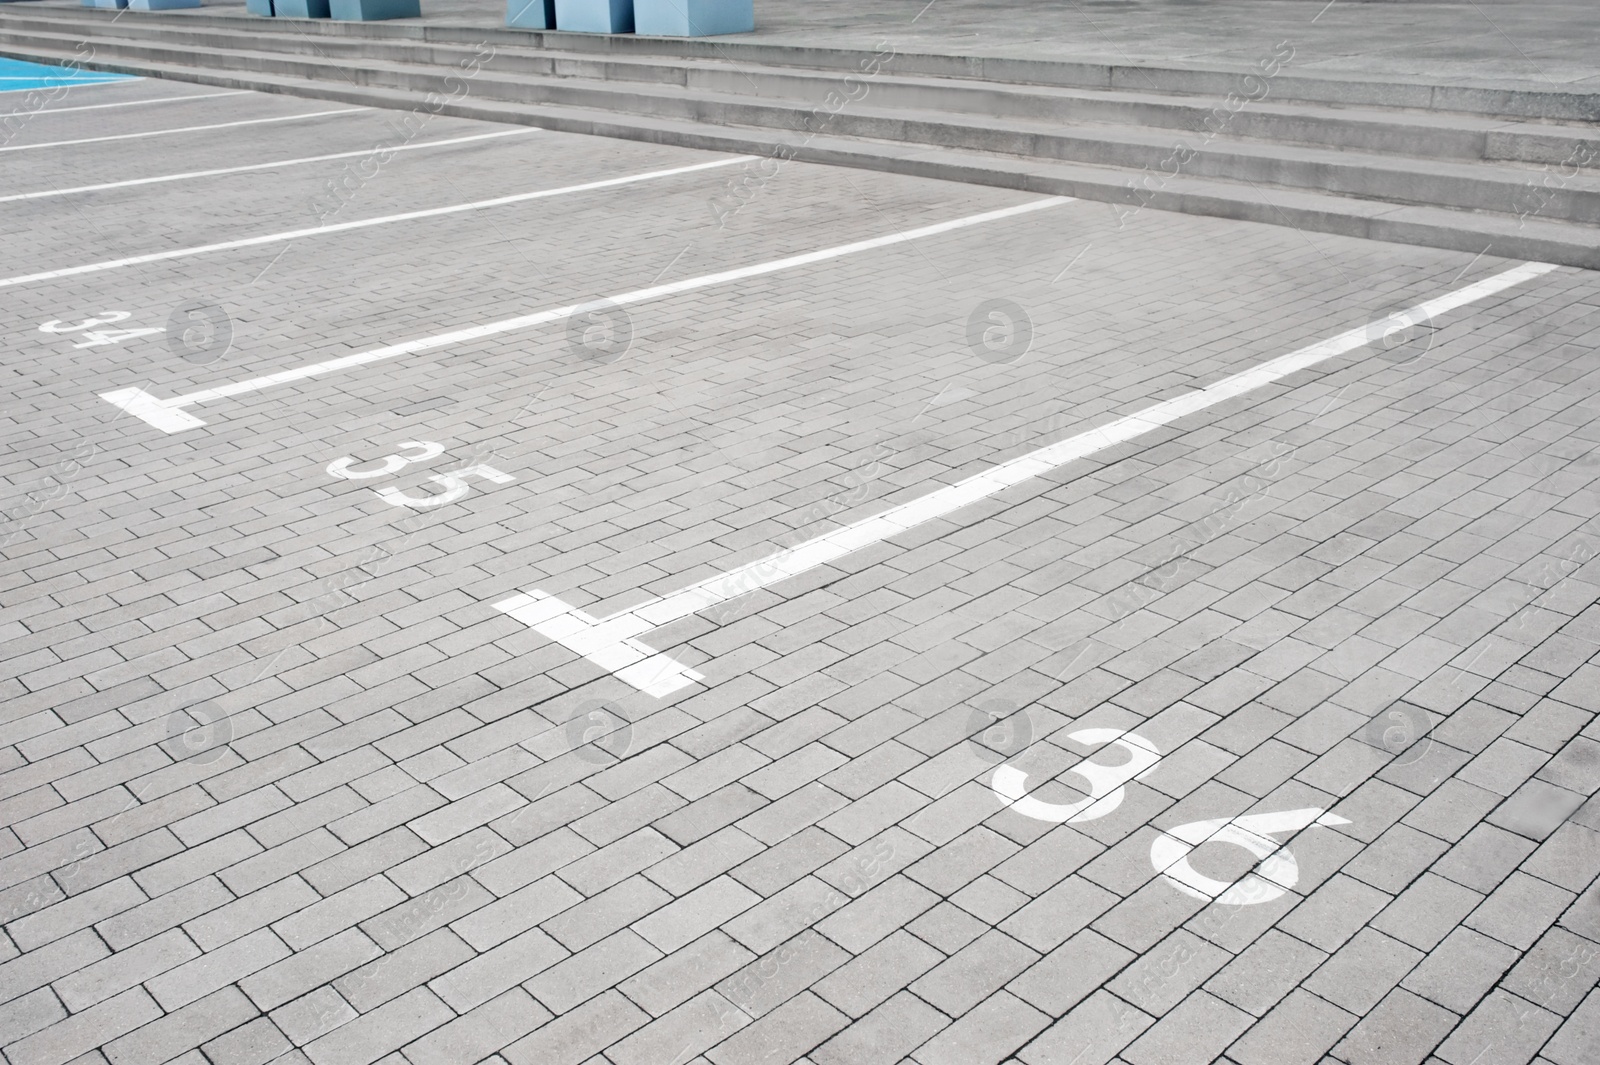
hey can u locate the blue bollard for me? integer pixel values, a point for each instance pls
(595, 16)
(531, 14)
(374, 10)
(693, 18)
(300, 8)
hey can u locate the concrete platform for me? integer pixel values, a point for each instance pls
(1530, 43)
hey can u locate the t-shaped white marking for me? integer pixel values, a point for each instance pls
(161, 413)
(612, 643)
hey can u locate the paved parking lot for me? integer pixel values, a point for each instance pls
(473, 594)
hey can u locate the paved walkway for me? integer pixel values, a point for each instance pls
(1147, 698)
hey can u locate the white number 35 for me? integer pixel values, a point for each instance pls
(427, 449)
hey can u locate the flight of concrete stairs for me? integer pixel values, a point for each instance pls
(1511, 171)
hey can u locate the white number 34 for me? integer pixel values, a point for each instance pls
(96, 337)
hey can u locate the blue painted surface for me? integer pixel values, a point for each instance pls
(301, 8)
(259, 7)
(116, 5)
(693, 18)
(160, 5)
(531, 14)
(17, 75)
(595, 16)
(374, 10)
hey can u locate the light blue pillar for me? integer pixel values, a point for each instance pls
(531, 14)
(259, 7)
(693, 18)
(160, 5)
(595, 16)
(374, 10)
(300, 8)
(114, 5)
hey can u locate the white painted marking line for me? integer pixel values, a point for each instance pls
(264, 166)
(183, 129)
(141, 103)
(612, 643)
(168, 415)
(340, 227)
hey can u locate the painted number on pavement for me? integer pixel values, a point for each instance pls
(454, 484)
(94, 336)
(1276, 870)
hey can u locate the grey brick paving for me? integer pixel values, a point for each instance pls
(402, 843)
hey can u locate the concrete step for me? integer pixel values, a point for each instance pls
(1382, 130)
(1472, 231)
(1148, 153)
(1483, 97)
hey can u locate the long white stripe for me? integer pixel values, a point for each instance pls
(612, 642)
(185, 129)
(852, 537)
(264, 166)
(507, 325)
(340, 227)
(168, 414)
(141, 103)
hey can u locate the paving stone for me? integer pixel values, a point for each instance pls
(1096, 1029)
(472, 982)
(577, 1036)
(83, 1032)
(1403, 1028)
(372, 1035)
(210, 972)
(1196, 1031)
(1360, 975)
(1557, 972)
(125, 969)
(182, 1029)
(887, 1034)
(1501, 1028)
(1577, 1038)
(782, 1035)
(1301, 1028)
(398, 971)
(970, 975)
(607, 963)
(1424, 913)
(685, 973)
(1460, 970)
(480, 1032)
(308, 969)
(1519, 910)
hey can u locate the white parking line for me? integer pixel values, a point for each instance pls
(169, 416)
(184, 129)
(612, 643)
(264, 166)
(141, 103)
(340, 227)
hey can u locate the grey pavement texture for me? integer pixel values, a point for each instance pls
(279, 784)
(1549, 43)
